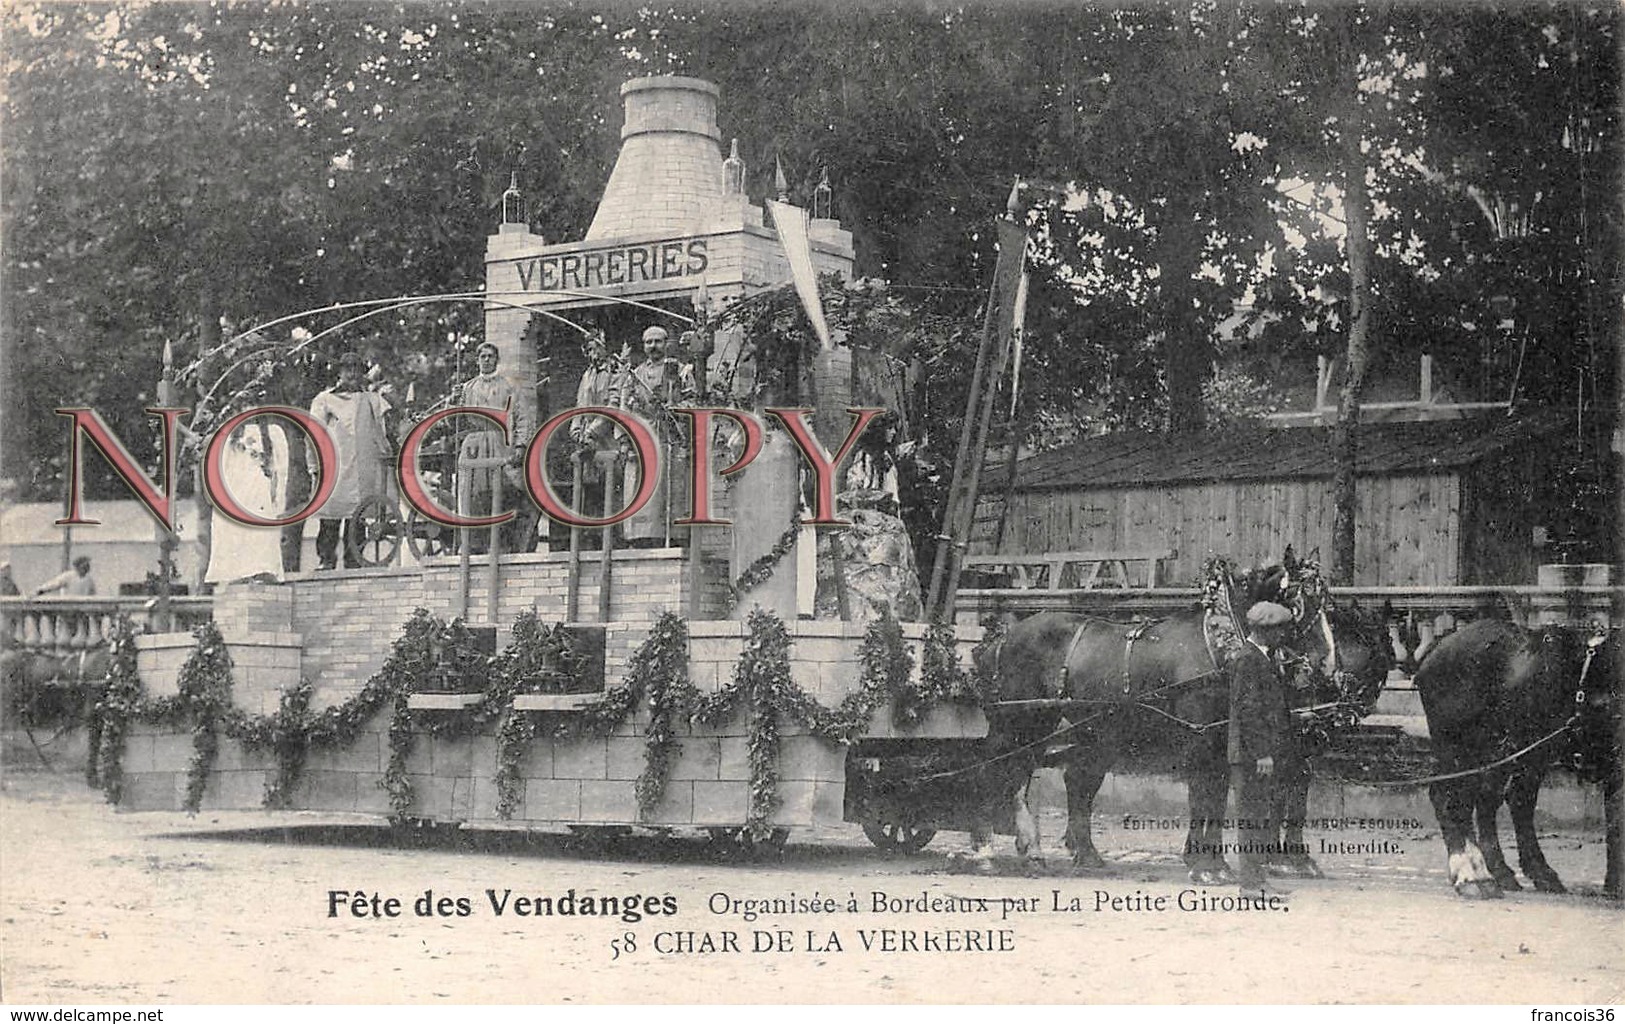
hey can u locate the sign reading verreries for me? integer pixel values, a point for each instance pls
(618, 265)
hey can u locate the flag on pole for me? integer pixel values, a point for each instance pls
(1008, 278)
(1017, 330)
(791, 222)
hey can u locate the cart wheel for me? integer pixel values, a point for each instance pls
(898, 837)
(381, 541)
(426, 537)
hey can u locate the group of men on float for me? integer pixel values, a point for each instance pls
(357, 415)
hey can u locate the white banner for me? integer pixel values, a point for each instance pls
(791, 222)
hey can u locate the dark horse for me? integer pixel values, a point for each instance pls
(41, 687)
(1503, 705)
(1153, 694)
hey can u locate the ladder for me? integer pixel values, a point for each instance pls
(959, 522)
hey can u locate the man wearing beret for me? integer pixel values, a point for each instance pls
(1259, 734)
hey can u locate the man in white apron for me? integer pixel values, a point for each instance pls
(354, 417)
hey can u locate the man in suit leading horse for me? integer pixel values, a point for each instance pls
(1260, 737)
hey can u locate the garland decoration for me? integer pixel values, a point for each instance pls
(431, 654)
(942, 678)
(761, 570)
(542, 659)
(659, 668)
(762, 682)
(513, 739)
(287, 733)
(205, 695)
(1218, 609)
(121, 701)
(984, 659)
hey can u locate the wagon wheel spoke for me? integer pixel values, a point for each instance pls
(381, 533)
(899, 836)
(425, 537)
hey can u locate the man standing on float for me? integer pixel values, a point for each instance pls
(656, 386)
(491, 390)
(602, 384)
(354, 417)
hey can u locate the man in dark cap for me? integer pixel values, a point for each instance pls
(1259, 734)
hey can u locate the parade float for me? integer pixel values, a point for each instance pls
(746, 678)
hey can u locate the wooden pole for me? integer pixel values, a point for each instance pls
(494, 572)
(612, 472)
(572, 601)
(946, 553)
(463, 503)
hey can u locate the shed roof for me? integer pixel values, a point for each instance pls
(1137, 458)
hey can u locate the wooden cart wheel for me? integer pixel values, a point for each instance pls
(426, 537)
(898, 837)
(381, 533)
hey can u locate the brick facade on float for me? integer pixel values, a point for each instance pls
(588, 780)
(668, 178)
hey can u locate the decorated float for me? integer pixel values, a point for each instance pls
(746, 678)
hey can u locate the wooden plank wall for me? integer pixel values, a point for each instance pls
(1408, 533)
(1504, 505)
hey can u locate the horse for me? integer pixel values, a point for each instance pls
(1185, 730)
(1504, 704)
(1154, 692)
(40, 687)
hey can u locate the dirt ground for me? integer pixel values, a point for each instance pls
(102, 907)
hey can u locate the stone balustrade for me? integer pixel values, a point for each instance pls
(65, 625)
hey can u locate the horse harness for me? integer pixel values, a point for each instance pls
(1138, 632)
(1593, 645)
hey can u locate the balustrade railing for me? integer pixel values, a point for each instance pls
(67, 625)
(1426, 608)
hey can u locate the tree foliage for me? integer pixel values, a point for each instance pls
(181, 172)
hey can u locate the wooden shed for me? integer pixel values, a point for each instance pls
(1440, 503)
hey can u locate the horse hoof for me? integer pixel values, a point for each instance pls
(1478, 890)
(1548, 883)
(1089, 862)
(1509, 881)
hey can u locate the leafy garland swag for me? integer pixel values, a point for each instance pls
(541, 659)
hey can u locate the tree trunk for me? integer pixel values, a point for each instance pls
(208, 341)
(1356, 208)
(297, 491)
(1186, 351)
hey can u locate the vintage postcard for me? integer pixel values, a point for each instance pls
(904, 504)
